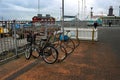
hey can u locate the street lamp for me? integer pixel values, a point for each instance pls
(91, 12)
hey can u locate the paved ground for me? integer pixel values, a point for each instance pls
(90, 61)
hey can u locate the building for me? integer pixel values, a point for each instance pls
(39, 19)
(115, 20)
(110, 13)
(111, 18)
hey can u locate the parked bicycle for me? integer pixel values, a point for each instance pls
(76, 40)
(43, 48)
(64, 40)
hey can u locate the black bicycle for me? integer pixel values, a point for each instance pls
(41, 48)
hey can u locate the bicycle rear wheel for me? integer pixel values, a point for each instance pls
(77, 43)
(50, 54)
(68, 45)
(62, 53)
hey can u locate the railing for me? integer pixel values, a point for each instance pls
(11, 47)
(8, 48)
(84, 33)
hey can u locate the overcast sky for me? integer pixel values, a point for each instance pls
(26, 9)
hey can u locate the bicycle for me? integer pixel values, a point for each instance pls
(62, 54)
(43, 48)
(76, 40)
(64, 41)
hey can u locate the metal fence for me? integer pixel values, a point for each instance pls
(13, 40)
(12, 44)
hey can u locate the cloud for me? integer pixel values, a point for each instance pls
(29, 8)
(13, 7)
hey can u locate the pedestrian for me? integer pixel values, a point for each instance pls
(110, 23)
(95, 24)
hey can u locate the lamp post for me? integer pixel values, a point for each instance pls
(91, 15)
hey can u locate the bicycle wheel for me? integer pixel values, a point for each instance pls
(28, 51)
(35, 52)
(77, 43)
(50, 54)
(62, 53)
(68, 45)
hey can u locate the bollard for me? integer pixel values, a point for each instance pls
(77, 33)
(93, 32)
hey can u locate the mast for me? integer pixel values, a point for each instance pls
(78, 9)
(119, 10)
(63, 16)
(38, 6)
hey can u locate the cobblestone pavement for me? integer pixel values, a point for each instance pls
(90, 61)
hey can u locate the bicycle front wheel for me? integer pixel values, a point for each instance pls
(50, 54)
(28, 51)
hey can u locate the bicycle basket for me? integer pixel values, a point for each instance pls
(65, 38)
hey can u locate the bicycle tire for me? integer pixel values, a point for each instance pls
(77, 43)
(49, 54)
(35, 52)
(69, 46)
(62, 53)
(28, 51)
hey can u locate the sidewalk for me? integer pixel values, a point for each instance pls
(13, 66)
(88, 62)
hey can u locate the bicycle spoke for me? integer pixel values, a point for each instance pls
(50, 54)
